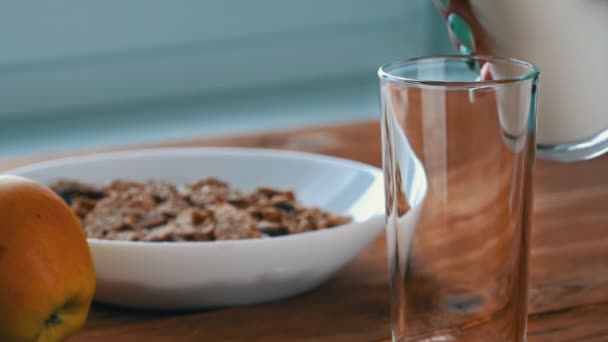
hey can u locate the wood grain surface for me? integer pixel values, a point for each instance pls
(569, 267)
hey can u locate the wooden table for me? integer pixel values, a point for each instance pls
(569, 271)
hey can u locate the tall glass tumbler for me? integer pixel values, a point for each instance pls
(458, 154)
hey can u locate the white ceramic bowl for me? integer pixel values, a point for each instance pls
(188, 275)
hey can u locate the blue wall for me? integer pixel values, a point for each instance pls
(79, 74)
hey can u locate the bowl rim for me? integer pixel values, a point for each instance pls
(197, 151)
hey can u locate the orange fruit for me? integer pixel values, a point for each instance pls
(47, 279)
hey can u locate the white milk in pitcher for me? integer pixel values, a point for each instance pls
(568, 41)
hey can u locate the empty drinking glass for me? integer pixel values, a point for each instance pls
(458, 153)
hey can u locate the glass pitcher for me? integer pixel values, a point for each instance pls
(568, 41)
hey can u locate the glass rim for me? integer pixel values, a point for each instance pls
(384, 72)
